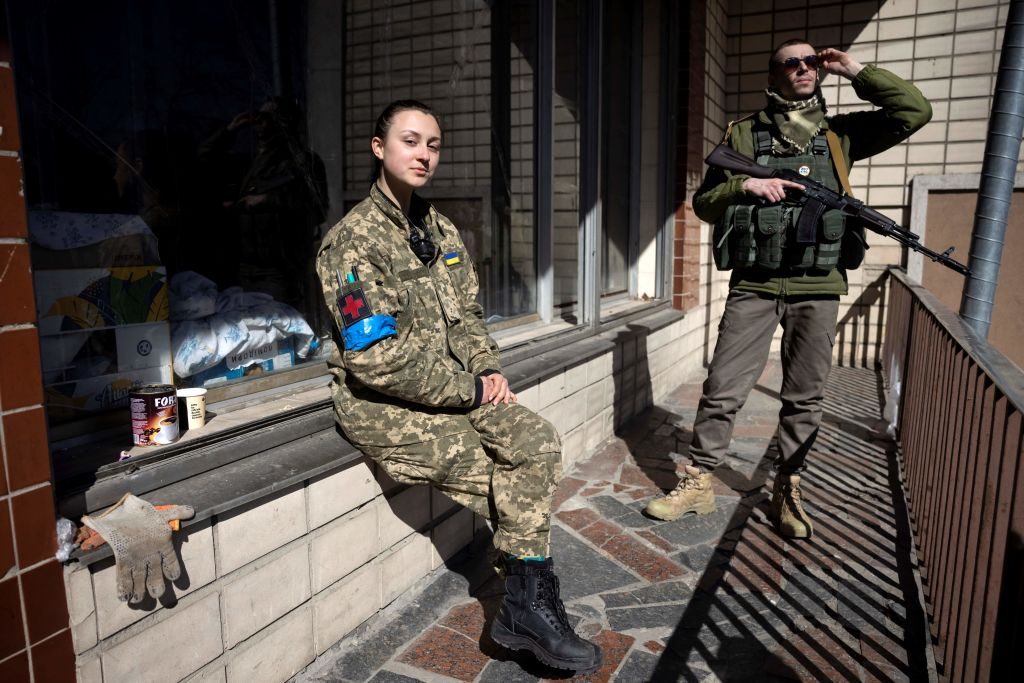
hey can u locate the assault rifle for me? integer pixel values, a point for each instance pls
(818, 198)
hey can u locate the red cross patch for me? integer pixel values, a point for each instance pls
(353, 307)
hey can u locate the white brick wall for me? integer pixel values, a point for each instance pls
(357, 533)
(345, 605)
(404, 565)
(243, 536)
(263, 595)
(209, 675)
(197, 561)
(81, 608)
(450, 536)
(250, 603)
(278, 653)
(332, 495)
(89, 670)
(404, 513)
(170, 649)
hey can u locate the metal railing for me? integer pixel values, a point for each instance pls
(957, 408)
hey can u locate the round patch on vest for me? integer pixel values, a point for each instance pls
(804, 170)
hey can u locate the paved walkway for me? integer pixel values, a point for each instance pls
(716, 597)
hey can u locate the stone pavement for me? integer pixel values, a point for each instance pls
(714, 597)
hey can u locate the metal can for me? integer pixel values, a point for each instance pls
(154, 414)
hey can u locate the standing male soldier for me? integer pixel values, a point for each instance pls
(778, 279)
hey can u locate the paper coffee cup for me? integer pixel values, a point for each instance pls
(192, 408)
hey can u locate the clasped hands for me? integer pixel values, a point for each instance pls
(496, 390)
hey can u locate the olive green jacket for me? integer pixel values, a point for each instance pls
(902, 110)
(400, 388)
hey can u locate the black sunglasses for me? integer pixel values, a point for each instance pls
(793, 63)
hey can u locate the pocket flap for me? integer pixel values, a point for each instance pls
(832, 224)
(769, 219)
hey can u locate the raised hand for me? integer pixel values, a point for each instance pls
(834, 61)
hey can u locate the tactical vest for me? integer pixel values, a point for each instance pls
(764, 236)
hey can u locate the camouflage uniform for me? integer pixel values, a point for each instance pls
(410, 399)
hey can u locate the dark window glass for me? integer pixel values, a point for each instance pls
(175, 201)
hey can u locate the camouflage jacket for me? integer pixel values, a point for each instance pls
(402, 385)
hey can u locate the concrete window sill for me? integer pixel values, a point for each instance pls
(261, 449)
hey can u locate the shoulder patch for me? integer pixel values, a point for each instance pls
(353, 307)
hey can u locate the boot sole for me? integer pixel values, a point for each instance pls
(702, 510)
(502, 636)
(796, 536)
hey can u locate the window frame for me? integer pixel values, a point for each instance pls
(589, 323)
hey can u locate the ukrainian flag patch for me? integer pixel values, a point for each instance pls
(451, 258)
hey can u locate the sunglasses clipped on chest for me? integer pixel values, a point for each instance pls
(793, 63)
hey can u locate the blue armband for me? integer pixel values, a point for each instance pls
(365, 333)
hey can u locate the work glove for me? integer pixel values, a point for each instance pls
(141, 540)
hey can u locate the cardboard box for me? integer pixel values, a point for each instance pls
(80, 355)
(271, 357)
(97, 298)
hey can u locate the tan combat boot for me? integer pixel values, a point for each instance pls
(787, 512)
(692, 494)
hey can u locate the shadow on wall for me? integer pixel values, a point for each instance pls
(631, 375)
(859, 332)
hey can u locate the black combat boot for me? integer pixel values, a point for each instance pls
(532, 617)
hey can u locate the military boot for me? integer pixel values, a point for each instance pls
(692, 494)
(532, 617)
(787, 511)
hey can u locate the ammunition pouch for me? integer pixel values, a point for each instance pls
(772, 236)
(765, 236)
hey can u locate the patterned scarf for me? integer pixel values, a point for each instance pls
(797, 121)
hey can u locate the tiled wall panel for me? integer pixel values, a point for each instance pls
(35, 641)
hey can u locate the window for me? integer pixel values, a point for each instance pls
(175, 203)
(184, 159)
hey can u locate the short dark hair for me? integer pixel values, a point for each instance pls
(785, 43)
(380, 130)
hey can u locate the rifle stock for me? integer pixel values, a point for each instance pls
(727, 158)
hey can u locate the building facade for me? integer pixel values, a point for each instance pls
(167, 171)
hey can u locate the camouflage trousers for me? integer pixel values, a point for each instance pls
(503, 466)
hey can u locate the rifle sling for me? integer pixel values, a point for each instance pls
(838, 161)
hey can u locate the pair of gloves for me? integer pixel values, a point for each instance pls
(140, 537)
